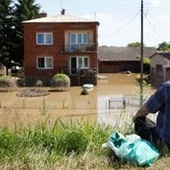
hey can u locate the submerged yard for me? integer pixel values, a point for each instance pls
(93, 107)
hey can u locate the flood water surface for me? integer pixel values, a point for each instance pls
(98, 106)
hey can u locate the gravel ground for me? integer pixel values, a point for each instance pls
(34, 92)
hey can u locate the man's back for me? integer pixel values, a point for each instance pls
(160, 102)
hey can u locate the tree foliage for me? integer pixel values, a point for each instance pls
(135, 44)
(11, 29)
(24, 10)
(164, 46)
(146, 63)
(7, 44)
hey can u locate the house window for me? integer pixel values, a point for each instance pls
(79, 63)
(82, 62)
(76, 40)
(44, 38)
(45, 62)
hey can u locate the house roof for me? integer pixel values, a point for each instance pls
(162, 54)
(59, 19)
(123, 53)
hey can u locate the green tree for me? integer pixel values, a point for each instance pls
(134, 44)
(24, 10)
(164, 46)
(6, 33)
(146, 64)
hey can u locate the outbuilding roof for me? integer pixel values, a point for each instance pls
(123, 53)
(162, 54)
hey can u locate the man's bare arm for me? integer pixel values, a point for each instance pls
(141, 112)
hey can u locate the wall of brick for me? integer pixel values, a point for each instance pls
(61, 59)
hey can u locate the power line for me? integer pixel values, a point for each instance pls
(122, 27)
(61, 4)
(123, 10)
(111, 10)
(154, 29)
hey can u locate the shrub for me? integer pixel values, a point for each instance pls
(21, 82)
(60, 82)
(38, 83)
(7, 82)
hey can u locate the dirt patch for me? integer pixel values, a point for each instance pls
(34, 92)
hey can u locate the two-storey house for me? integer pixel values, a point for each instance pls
(60, 44)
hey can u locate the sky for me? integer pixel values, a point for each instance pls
(120, 20)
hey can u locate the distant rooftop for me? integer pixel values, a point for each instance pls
(123, 53)
(163, 54)
(58, 19)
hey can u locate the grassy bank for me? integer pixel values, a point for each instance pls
(63, 145)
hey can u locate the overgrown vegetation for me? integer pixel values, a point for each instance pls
(64, 144)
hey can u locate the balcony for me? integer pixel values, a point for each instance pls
(77, 48)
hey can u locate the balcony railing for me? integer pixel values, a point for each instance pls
(80, 47)
(80, 71)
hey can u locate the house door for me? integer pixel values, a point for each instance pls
(73, 65)
(78, 63)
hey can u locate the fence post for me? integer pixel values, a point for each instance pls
(24, 103)
(124, 103)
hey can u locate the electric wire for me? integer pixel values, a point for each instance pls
(156, 32)
(122, 27)
(123, 12)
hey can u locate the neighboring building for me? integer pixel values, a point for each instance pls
(160, 68)
(119, 59)
(60, 44)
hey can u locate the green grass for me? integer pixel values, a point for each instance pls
(62, 145)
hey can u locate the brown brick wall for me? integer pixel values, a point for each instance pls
(61, 60)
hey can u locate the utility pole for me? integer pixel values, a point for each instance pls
(141, 60)
(61, 4)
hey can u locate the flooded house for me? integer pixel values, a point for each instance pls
(60, 44)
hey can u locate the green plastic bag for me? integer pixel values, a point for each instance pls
(132, 148)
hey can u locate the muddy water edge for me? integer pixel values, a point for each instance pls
(18, 111)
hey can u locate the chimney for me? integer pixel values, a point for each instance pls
(42, 14)
(63, 12)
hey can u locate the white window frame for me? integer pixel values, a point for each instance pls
(79, 65)
(82, 60)
(45, 40)
(45, 63)
(76, 39)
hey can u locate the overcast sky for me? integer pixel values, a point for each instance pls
(120, 20)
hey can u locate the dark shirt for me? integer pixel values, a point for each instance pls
(159, 103)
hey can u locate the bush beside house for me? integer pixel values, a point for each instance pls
(60, 82)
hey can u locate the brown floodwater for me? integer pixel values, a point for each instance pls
(93, 107)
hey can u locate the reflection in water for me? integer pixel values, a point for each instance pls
(120, 88)
(71, 104)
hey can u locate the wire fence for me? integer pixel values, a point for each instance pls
(114, 102)
(114, 109)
